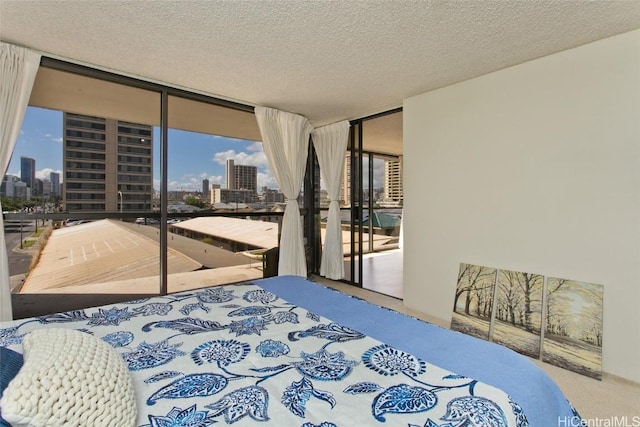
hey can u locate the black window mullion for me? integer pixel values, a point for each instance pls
(164, 171)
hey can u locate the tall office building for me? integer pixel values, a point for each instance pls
(393, 180)
(28, 171)
(46, 187)
(108, 165)
(54, 177)
(37, 189)
(205, 189)
(242, 177)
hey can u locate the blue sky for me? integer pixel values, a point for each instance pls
(192, 156)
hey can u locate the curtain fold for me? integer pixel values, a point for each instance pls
(18, 68)
(285, 138)
(330, 143)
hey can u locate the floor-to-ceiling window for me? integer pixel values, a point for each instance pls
(90, 145)
(221, 194)
(119, 187)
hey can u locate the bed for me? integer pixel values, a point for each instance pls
(281, 351)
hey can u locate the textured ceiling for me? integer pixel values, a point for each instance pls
(327, 60)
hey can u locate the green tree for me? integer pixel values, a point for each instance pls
(194, 201)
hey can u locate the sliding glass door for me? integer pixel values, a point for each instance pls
(373, 210)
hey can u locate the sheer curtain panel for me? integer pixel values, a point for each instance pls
(330, 143)
(18, 68)
(285, 138)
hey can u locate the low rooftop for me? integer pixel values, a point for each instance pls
(97, 252)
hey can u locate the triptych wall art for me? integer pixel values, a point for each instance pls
(556, 320)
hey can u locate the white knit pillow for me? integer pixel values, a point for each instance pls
(69, 378)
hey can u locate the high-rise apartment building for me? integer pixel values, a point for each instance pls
(247, 178)
(28, 171)
(393, 180)
(345, 190)
(108, 165)
(231, 175)
(392, 193)
(242, 177)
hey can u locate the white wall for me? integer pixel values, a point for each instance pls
(533, 168)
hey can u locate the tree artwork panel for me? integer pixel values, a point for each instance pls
(518, 311)
(573, 326)
(474, 300)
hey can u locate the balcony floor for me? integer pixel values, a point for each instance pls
(382, 272)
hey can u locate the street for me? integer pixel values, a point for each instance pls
(19, 260)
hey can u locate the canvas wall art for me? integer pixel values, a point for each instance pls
(573, 326)
(474, 300)
(556, 320)
(518, 313)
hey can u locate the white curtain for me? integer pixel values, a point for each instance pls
(330, 143)
(285, 138)
(18, 68)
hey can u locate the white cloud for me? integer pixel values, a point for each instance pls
(267, 180)
(189, 182)
(46, 173)
(256, 158)
(255, 146)
(52, 138)
(216, 179)
(184, 184)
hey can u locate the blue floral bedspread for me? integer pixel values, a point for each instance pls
(239, 354)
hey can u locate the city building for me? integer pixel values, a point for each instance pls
(46, 187)
(108, 165)
(205, 189)
(345, 189)
(242, 185)
(246, 178)
(7, 188)
(241, 177)
(37, 188)
(231, 174)
(392, 181)
(230, 196)
(270, 196)
(28, 171)
(54, 177)
(21, 191)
